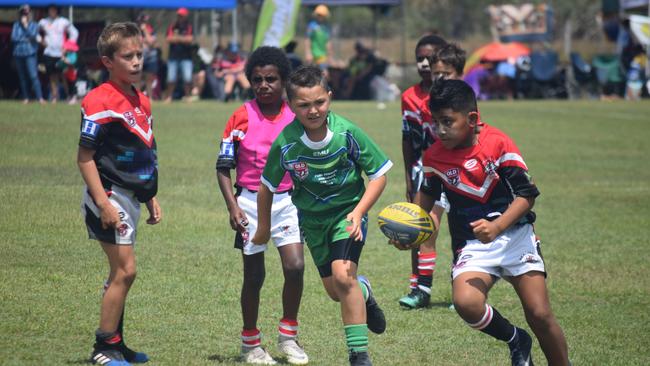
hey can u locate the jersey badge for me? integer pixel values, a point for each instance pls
(130, 118)
(90, 128)
(491, 169)
(301, 170)
(227, 150)
(470, 164)
(530, 258)
(453, 176)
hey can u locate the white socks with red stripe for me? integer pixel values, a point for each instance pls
(287, 329)
(494, 324)
(251, 338)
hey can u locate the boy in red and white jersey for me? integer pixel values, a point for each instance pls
(118, 162)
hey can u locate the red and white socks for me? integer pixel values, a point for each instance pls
(492, 323)
(251, 338)
(426, 267)
(287, 329)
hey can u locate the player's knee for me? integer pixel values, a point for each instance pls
(332, 294)
(343, 282)
(294, 271)
(126, 275)
(469, 309)
(540, 318)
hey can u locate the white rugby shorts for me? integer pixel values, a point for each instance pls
(513, 253)
(128, 208)
(284, 222)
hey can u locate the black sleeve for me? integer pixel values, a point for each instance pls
(519, 181)
(432, 186)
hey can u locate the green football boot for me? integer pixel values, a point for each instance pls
(416, 299)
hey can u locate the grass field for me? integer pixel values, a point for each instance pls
(589, 160)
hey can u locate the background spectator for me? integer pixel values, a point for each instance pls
(231, 70)
(360, 73)
(214, 81)
(68, 65)
(150, 55)
(180, 38)
(318, 47)
(57, 30)
(25, 38)
(294, 59)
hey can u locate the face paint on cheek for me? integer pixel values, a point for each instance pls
(423, 65)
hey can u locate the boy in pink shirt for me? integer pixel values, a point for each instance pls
(245, 145)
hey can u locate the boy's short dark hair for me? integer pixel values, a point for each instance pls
(267, 55)
(451, 54)
(456, 95)
(110, 38)
(306, 76)
(431, 39)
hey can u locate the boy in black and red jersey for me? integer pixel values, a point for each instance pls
(117, 160)
(415, 139)
(490, 195)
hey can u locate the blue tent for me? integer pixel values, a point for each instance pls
(169, 4)
(351, 2)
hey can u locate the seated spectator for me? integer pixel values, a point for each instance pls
(231, 70)
(201, 59)
(294, 59)
(635, 76)
(215, 83)
(360, 73)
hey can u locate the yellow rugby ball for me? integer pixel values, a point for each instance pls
(406, 222)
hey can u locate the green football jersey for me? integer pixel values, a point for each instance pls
(326, 174)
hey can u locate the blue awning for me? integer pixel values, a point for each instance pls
(350, 2)
(157, 4)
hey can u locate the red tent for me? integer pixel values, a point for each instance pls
(496, 51)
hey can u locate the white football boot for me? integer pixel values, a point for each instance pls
(256, 356)
(293, 351)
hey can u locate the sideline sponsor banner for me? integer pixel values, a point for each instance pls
(277, 23)
(640, 27)
(522, 23)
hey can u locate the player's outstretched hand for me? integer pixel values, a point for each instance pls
(355, 228)
(262, 236)
(399, 245)
(485, 231)
(109, 215)
(238, 219)
(155, 213)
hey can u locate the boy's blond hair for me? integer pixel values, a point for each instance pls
(111, 37)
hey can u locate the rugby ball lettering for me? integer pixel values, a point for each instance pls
(406, 222)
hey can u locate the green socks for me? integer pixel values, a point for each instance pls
(356, 336)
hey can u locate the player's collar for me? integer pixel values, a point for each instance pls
(317, 145)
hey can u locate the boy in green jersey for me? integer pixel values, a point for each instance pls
(325, 155)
